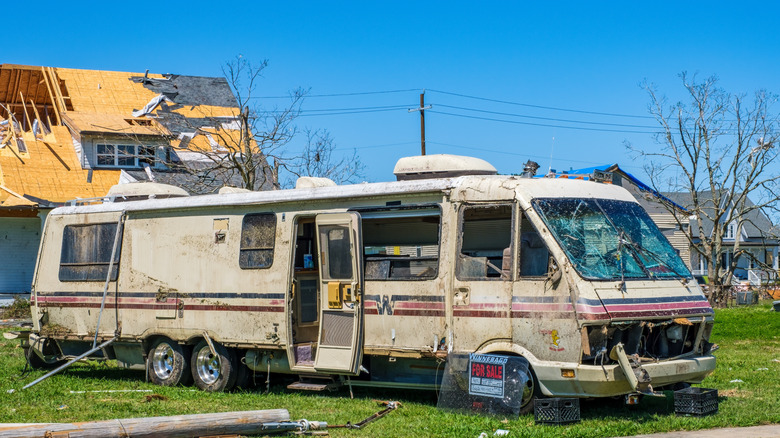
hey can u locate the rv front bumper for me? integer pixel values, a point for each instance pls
(609, 380)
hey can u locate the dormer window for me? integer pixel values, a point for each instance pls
(731, 231)
(125, 155)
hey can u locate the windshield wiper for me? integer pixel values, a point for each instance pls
(639, 250)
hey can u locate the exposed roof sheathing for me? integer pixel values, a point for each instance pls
(50, 172)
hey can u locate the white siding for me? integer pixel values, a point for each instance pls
(19, 239)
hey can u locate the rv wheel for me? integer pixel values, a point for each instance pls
(529, 392)
(213, 372)
(168, 364)
(244, 375)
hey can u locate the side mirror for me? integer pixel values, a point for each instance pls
(554, 274)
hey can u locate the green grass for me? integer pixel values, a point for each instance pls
(749, 338)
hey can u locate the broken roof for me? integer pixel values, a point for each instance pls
(44, 166)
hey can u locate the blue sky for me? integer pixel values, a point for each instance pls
(578, 58)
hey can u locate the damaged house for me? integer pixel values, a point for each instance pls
(70, 134)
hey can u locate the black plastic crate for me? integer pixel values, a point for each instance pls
(556, 410)
(696, 401)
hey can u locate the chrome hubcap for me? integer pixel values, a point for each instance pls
(162, 361)
(208, 366)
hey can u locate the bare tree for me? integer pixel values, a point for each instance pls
(718, 149)
(319, 159)
(254, 144)
(257, 135)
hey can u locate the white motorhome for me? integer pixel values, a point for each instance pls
(377, 282)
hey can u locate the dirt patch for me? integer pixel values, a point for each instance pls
(736, 393)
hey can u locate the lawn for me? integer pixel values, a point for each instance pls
(747, 378)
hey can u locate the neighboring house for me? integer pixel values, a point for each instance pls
(67, 134)
(755, 237)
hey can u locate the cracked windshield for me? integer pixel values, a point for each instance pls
(610, 240)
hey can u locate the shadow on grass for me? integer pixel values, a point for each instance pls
(649, 409)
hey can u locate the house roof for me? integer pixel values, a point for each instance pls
(46, 167)
(756, 226)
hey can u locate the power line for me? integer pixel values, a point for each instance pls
(338, 113)
(544, 118)
(361, 93)
(516, 122)
(540, 106)
(359, 108)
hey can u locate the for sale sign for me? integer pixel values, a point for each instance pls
(486, 375)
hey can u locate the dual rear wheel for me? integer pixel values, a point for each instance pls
(171, 364)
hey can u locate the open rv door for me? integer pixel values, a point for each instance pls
(340, 343)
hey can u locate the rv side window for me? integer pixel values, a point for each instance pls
(401, 244)
(258, 234)
(485, 245)
(86, 252)
(534, 256)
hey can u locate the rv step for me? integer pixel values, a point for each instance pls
(314, 384)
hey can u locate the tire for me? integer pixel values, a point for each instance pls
(168, 363)
(38, 363)
(243, 373)
(213, 373)
(530, 393)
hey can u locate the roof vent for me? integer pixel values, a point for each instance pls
(144, 190)
(309, 182)
(228, 189)
(440, 166)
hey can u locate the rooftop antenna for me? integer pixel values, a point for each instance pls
(552, 148)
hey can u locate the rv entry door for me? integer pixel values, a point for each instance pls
(340, 341)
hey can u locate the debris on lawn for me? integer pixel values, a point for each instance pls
(736, 381)
(152, 397)
(389, 406)
(224, 423)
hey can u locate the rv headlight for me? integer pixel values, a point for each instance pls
(674, 333)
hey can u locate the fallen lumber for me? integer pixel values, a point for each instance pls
(180, 426)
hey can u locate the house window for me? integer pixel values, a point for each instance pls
(125, 155)
(725, 259)
(731, 231)
(258, 236)
(86, 252)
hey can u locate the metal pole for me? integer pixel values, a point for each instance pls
(422, 122)
(119, 224)
(71, 362)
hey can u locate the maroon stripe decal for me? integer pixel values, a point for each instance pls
(94, 305)
(421, 312)
(480, 314)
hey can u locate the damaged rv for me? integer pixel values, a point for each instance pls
(376, 284)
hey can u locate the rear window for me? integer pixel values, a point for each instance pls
(86, 252)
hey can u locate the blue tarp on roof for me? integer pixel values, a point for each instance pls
(585, 172)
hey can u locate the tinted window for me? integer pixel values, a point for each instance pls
(258, 234)
(86, 252)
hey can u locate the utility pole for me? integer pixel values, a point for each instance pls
(422, 109)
